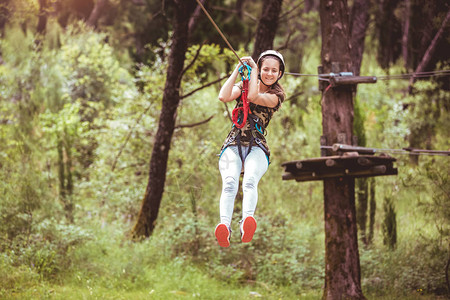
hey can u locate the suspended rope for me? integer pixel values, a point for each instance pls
(219, 31)
(300, 74)
(325, 77)
(405, 151)
(415, 75)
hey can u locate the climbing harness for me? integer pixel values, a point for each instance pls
(256, 124)
(240, 122)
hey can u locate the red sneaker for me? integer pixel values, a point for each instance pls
(248, 228)
(222, 233)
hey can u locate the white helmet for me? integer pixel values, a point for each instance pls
(277, 55)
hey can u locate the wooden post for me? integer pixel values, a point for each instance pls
(342, 266)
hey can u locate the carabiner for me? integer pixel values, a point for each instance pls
(241, 71)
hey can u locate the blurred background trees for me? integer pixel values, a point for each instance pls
(81, 89)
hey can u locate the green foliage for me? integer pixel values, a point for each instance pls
(78, 102)
(416, 265)
(432, 179)
(15, 278)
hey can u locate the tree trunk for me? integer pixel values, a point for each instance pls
(389, 33)
(239, 8)
(310, 5)
(171, 97)
(405, 37)
(342, 267)
(65, 177)
(362, 207)
(4, 14)
(359, 22)
(372, 210)
(267, 27)
(42, 22)
(194, 18)
(96, 13)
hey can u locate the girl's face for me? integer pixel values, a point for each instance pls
(270, 71)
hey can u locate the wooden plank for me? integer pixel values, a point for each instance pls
(337, 163)
(337, 157)
(312, 176)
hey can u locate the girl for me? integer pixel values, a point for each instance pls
(246, 148)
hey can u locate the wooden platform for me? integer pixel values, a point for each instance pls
(351, 165)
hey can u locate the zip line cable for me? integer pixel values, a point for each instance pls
(415, 75)
(400, 151)
(300, 74)
(219, 31)
(382, 77)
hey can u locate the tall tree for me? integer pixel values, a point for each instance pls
(267, 26)
(195, 16)
(239, 8)
(42, 20)
(358, 27)
(96, 12)
(405, 35)
(388, 33)
(311, 5)
(342, 266)
(148, 214)
(4, 14)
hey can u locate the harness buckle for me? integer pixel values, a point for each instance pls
(258, 127)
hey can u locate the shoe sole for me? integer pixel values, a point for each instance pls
(222, 235)
(248, 229)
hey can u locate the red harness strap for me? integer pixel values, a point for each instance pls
(244, 108)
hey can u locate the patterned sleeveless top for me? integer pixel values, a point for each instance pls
(264, 113)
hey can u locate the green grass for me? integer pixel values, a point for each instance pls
(170, 280)
(190, 285)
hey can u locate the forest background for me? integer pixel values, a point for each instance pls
(81, 88)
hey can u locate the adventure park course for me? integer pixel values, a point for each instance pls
(224, 149)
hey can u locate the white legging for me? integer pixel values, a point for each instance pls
(230, 166)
